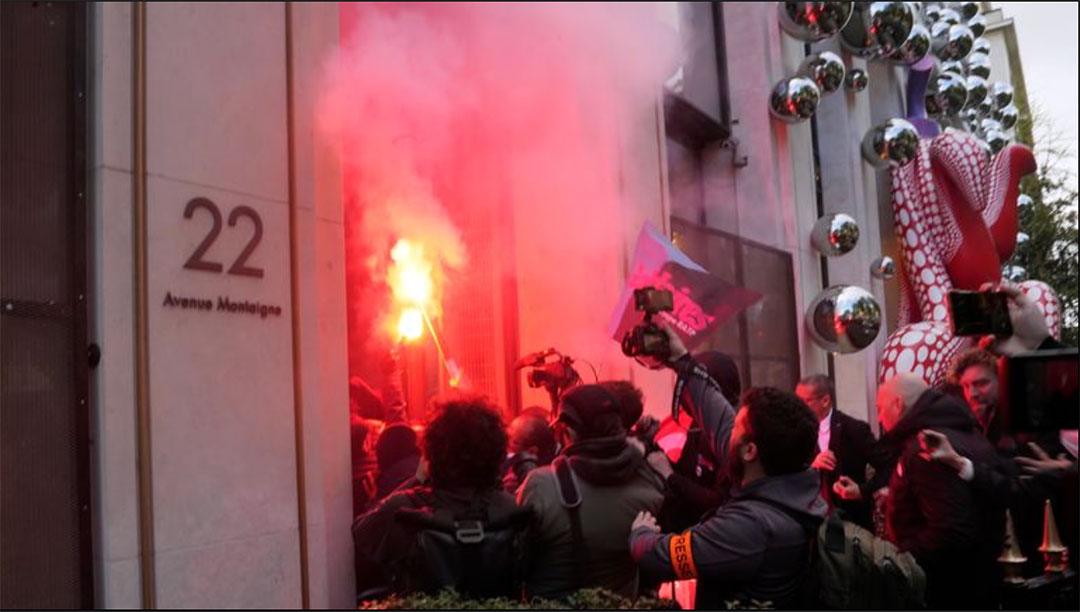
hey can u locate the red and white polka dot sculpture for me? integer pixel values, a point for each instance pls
(955, 214)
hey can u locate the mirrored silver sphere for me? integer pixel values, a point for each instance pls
(968, 10)
(1008, 116)
(1024, 200)
(1022, 237)
(953, 66)
(1001, 94)
(835, 235)
(889, 24)
(794, 99)
(915, 47)
(843, 319)
(997, 140)
(954, 43)
(854, 37)
(981, 46)
(883, 268)
(892, 143)
(977, 25)
(987, 125)
(978, 64)
(857, 79)
(977, 91)
(825, 69)
(931, 12)
(949, 16)
(949, 92)
(813, 21)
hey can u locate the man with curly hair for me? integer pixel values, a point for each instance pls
(457, 528)
(975, 372)
(754, 547)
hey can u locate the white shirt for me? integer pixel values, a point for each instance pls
(824, 428)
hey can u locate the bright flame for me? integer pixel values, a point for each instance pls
(411, 324)
(410, 276)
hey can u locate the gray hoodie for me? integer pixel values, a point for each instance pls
(746, 549)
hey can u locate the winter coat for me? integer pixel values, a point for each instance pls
(747, 549)
(954, 529)
(384, 543)
(614, 483)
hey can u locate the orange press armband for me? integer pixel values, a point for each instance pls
(682, 557)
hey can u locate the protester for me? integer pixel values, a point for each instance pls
(464, 446)
(630, 399)
(397, 453)
(532, 444)
(583, 504)
(954, 530)
(755, 547)
(846, 446)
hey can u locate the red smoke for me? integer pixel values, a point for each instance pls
(495, 135)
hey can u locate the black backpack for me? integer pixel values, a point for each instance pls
(850, 568)
(469, 550)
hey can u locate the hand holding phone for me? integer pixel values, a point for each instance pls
(980, 313)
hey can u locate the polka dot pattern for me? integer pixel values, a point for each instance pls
(951, 178)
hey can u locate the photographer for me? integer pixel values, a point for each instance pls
(695, 483)
(703, 397)
(1022, 482)
(584, 502)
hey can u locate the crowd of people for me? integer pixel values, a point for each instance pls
(582, 496)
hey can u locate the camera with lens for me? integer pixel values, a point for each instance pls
(554, 376)
(559, 374)
(647, 339)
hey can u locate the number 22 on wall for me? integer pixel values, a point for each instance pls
(239, 267)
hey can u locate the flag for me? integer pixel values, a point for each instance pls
(702, 302)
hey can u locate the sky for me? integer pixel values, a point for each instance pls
(1046, 35)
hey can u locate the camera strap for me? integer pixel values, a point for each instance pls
(685, 368)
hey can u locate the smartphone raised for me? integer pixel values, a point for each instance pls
(979, 313)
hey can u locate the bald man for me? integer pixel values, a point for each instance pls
(953, 529)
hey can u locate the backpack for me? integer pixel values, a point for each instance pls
(852, 569)
(477, 555)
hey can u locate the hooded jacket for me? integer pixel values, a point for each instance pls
(615, 484)
(954, 529)
(746, 549)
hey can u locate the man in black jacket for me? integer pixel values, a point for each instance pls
(754, 547)
(845, 446)
(953, 529)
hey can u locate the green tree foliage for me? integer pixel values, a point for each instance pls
(1050, 253)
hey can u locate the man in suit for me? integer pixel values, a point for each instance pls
(845, 447)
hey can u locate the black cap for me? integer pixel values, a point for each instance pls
(592, 411)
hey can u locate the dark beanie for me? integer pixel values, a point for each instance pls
(723, 370)
(592, 411)
(396, 442)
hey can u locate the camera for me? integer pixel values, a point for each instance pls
(647, 339)
(554, 376)
(558, 374)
